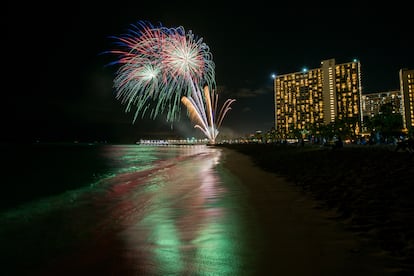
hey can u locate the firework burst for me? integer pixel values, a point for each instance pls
(160, 66)
(204, 111)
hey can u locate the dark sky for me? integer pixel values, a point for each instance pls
(57, 87)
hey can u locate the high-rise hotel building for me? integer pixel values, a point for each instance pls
(407, 93)
(372, 102)
(312, 98)
(402, 100)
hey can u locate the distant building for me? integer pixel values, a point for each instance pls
(316, 97)
(372, 102)
(407, 92)
(402, 100)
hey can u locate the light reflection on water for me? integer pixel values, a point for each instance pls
(187, 226)
(163, 211)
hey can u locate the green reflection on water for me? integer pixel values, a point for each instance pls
(164, 237)
(216, 249)
(216, 244)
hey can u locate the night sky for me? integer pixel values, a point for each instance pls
(57, 87)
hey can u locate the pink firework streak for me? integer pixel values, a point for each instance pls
(161, 66)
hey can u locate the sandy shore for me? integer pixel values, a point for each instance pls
(319, 219)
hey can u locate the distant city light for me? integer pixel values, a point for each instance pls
(304, 70)
(273, 76)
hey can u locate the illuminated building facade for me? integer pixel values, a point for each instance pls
(372, 102)
(407, 92)
(312, 98)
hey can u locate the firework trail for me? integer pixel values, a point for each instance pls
(203, 111)
(158, 67)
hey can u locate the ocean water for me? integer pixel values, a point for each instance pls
(122, 210)
(31, 172)
(85, 209)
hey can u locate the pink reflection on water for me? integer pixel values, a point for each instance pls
(171, 218)
(162, 213)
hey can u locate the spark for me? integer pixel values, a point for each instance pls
(160, 68)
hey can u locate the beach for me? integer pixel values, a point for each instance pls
(231, 210)
(366, 192)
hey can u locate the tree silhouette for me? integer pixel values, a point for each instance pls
(387, 122)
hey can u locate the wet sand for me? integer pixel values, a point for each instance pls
(327, 215)
(280, 229)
